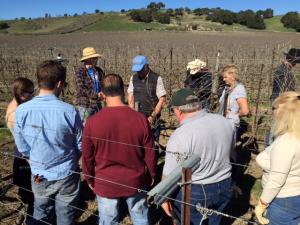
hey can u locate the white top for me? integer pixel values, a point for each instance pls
(281, 165)
(160, 88)
(233, 108)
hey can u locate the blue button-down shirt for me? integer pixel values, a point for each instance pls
(49, 132)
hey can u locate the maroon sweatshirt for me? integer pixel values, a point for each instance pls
(117, 147)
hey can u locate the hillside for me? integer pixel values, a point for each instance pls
(121, 22)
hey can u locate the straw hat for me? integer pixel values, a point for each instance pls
(88, 53)
(195, 66)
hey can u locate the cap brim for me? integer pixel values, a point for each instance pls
(90, 56)
(137, 68)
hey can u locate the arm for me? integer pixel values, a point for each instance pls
(244, 108)
(88, 160)
(161, 95)
(131, 101)
(281, 159)
(130, 94)
(78, 132)
(150, 154)
(20, 141)
(159, 106)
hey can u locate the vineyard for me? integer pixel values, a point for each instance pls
(257, 54)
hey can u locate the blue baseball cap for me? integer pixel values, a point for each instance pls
(138, 63)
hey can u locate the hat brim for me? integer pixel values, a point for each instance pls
(90, 56)
(137, 68)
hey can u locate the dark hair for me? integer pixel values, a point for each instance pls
(49, 73)
(22, 89)
(112, 85)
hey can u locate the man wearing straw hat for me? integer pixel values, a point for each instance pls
(88, 80)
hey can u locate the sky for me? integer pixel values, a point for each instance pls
(11, 9)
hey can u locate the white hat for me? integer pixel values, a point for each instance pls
(195, 66)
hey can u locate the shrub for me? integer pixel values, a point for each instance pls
(162, 17)
(3, 25)
(291, 20)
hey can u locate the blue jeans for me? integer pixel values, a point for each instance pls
(137, 207)
(65, 193)
(218, 195)
(284, 211)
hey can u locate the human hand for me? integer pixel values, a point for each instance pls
(237, 191)
(91, 187)
(259, 212)
(167, 207)
(151, 120)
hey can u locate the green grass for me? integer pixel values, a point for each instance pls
(121, 22)
(274, 24)
(117, 22)
(5, 135)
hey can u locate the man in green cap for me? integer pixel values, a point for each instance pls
(210, 136)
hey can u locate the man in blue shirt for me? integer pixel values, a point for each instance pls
(49, 132)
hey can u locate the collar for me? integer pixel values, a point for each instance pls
(46, 97)
(198, 115)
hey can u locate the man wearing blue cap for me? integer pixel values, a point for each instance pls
(146, 93)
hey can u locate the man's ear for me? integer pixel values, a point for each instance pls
(59, 85)
(102, 95)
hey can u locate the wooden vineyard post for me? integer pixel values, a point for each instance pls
(186, 190)
(254, 124)
(170, 76)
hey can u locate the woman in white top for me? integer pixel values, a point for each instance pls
(281, 165)
(22, 90)
(234, 96)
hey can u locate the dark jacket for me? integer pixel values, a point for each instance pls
(85, 95)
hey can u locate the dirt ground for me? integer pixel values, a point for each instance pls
(12, 209)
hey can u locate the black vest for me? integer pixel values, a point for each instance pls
(144, 92)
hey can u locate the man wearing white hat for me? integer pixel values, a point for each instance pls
(146, 93)
(88, 80)
(199, 79)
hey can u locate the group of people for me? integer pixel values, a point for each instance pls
(115, 142)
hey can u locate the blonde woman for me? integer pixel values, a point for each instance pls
(234, 97)
(281, 165)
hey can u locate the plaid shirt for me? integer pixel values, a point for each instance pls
(283, 80)
(85, 95)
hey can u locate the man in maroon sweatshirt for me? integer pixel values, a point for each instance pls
(118, 156)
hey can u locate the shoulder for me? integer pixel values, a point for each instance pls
(99, 70)
(154, 74)
(239, 89)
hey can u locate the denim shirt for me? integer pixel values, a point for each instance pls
(49, 132)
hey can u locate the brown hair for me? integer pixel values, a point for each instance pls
(22, 89)
(49, 73)
(112, 85)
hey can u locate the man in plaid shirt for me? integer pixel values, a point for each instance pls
(88, 80)
(283, 78)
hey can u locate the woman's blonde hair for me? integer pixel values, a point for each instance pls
(287, 114)
(232, 69)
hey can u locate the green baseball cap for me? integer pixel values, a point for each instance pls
(183, 97)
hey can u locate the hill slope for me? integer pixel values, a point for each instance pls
(121, 22)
